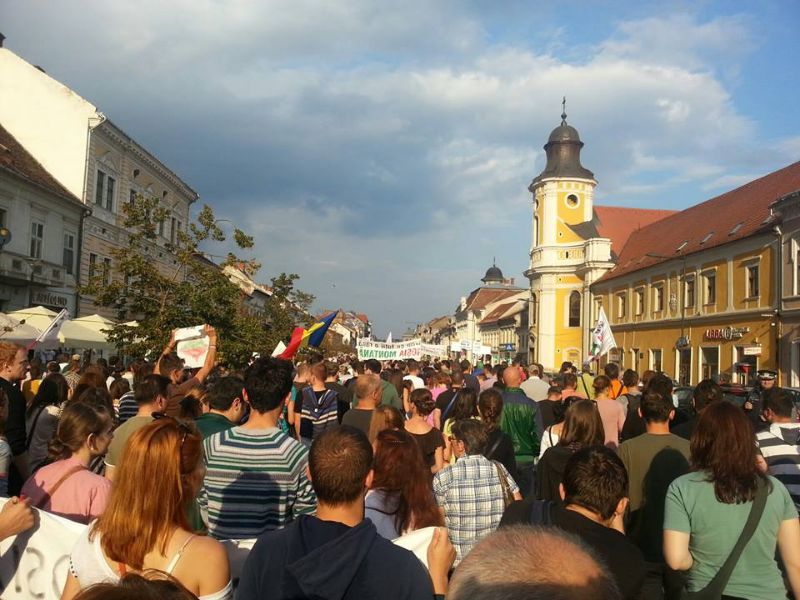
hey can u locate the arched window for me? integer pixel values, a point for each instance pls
(575, 309)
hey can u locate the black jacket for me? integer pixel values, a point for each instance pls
(325, 560)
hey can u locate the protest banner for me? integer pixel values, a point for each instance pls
(192, 347)
(398, 350)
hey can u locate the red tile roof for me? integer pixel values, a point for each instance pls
(362, 317)
(618, 222)
(497, 313)
(481, 297)
(15, 159)
(734, 215)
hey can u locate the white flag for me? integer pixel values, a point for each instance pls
(279, 349)
(50, 333)
(389, 338)
(602, 338)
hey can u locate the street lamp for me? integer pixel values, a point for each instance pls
(682, 342)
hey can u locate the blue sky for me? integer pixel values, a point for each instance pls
(383, 152)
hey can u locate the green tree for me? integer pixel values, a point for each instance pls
(191, 291)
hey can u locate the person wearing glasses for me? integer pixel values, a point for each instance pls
(144, 525)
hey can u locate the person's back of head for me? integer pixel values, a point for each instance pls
(466, 405)
(319, 373)
(170, 365)
(332, 370)
(422, 401)
(630, 379)
(777, 404)
(570, 381)
(412, 366)
(456, 379)
(149, 585)
(118, 388)
(53, 367)
(385, 417)
(267, 382)
(655, 408)
(511, 377)
(706, 392)
(225, 390)
(472, 434)
(150, 389)
(53, 391)
(582, 425)
(77, 422)
(601, 384)
(490, 406)
(339, 461)
(547, 564)
(554, 393)
(367, 385)
(595, 479)
(373, 366)
(611, 370)
(647, 376)
(466, 366)
(660, 384)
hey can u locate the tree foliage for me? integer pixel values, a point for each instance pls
(191, 289)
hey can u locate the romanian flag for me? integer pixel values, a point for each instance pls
(308, 337)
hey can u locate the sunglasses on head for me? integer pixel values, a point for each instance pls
(181, 425)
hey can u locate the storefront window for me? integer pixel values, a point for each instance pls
(709, 362)
(655, 360)
(684, 366)
(746, 366)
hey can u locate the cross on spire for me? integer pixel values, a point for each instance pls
(563, 110)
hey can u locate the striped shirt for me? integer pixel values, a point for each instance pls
(779, 447)
(255, 482)
(127, 407)
(320, 409)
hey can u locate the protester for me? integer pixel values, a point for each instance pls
(706, 512)
(128, 408)
(499, 445)
(41, 418)
(470, 380)
(67, 487)
(611, 411)
(617, 389)
(151, 397)
(118, 388)
(73, 371)
(389, 393)
(256, 479)
(344, 396)
(465, 407)
(225, 406)
(339, 553)
(13, 366)
(400, 498)
(385, 417)
(413, 374)
(534, 387)
(630, 393)
(594, 501)
(441, 383)
(524, 563)
(473, 492)
(522, 421)
(5, 449)
(430, 439)
(30, 385)
(447, 399)
(570, 387)
(150, 585)
(706, 392)
(549, 407)
(15, 517)
(368, 393)
(317, 406)
(780, 443)
(489, 377)
(653, 461)
(582, 428)
(171, 366)
(144, 525)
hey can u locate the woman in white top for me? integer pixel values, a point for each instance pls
(144, 525)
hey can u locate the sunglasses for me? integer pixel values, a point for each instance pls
(181, 425)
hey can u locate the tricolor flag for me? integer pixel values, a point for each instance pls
(602, 338)
(50, 333)
(308, 337)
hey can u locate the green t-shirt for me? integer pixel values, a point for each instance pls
(691, 507)
(121, 436)
(653, 461)
(210, 423)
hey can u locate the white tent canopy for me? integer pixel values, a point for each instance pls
(14, 330)
(38, 316)
(86, 332)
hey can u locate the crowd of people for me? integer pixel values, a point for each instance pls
(402, 479)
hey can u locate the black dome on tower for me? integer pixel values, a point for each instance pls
(563, 150)
(493, 275)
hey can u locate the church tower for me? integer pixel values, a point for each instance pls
(566, 254)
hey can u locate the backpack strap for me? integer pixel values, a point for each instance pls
(49, 494)
(540, 512)
(449, 407)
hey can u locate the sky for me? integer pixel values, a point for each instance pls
(383, 150)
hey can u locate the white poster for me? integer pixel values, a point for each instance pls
(193, 346)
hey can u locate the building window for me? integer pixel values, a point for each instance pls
(655, 360)
(622, 308)
(575, 309)
(172, 231)
(711, 288)
(92, 265)
(689, 300)
(69, 253)
(709, 365)
(132, 197)
(752, 281)
(535, 308)
(106, 271)
(37, 239)
(161, 228)
(639, 301)
(104, 190)
(658, 298)
(3, 215)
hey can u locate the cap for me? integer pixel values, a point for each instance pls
(766, 374)
(76, 357)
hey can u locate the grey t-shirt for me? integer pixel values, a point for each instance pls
(358, 418)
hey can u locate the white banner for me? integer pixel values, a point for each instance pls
(397, 351)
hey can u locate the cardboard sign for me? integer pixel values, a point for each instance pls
(192, 346)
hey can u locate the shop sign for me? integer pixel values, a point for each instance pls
(45, 298)
(751, 350)
(508, 347)
(726, 333)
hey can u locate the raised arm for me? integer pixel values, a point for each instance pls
(211, 356)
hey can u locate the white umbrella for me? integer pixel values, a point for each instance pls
(37, 316)
(15, 331)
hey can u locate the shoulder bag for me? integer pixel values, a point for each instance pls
(715, 587)
(508, 497)
(49, 494)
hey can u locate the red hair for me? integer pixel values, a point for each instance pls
(151, 491)
(400, 469)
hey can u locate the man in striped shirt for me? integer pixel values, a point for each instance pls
(779, 443)
(256, 478)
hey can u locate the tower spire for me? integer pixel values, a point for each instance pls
(563, 110)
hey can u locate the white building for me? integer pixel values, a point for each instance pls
(95, 161)
(40, 222)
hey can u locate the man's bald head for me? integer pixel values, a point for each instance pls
(511, 377)
(367, 385)
(548, 563)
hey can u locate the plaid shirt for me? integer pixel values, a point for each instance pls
(471, 495)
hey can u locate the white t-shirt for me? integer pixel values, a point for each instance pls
(417, 381)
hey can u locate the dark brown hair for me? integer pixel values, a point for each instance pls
(723, 446)
(149, 585)
(385, 416)
(339, 461)
(490, 406)
(400, 469)
(582, 425)
(423, 400)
